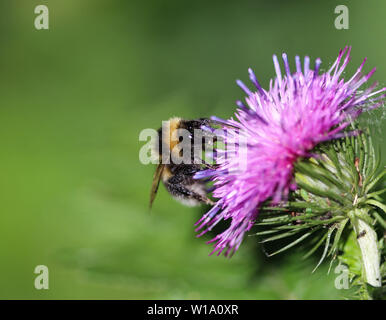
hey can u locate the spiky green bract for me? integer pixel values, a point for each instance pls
(338, 197)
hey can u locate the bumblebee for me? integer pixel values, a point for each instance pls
(177, 176)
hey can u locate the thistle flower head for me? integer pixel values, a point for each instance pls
(300, 110)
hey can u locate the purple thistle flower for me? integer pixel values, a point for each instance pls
(300, 110)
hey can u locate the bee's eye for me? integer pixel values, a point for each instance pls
(180, 138)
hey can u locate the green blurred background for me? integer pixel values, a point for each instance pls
(74, 98)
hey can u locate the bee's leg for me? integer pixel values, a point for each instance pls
(180, 190)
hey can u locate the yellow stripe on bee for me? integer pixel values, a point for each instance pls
(166, 174)
(174, 124)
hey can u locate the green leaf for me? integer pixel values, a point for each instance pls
(376, 193)
(362, 152)
(285, 219)
(362, 214)
(316, 246)
(375, 181)
(329, 233)
(319, 173)
(377, 204)
(322, 193)
(379, 219)
(351, 255)
(280, 236)
(338, 235)
(331, 153)
(292, 243)
(304, 195)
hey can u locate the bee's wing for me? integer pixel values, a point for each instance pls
(155, 184)
(221, 122)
